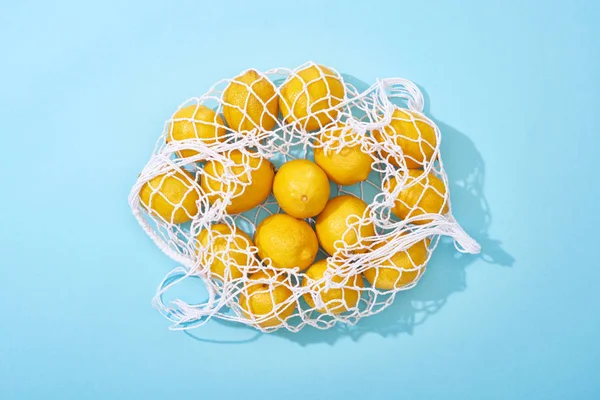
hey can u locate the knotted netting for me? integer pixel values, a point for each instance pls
(208, 186)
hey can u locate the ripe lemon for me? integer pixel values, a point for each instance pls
(309, 97)
(266, 299)
(253, 183)
(331, 223)
(196, 122)
(425, 194)
(171, 196)
(400, 269)
(301, 188)
(287, 241)
(228, 251)
(416, 137)
(346, 166)
(250, 102)
(336, 299)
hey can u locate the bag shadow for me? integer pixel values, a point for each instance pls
(446, 272)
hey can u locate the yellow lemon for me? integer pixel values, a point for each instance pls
(254, 180)
(346, 166)
(400, 269)
(287, 241)
(424, 194)
(228, 251)
(409, 130)
(250, 102)
(266, 299)
(301, 188)
(331, 223)
(196, 122)
(336, 299)
(309, 97)
(171, 196)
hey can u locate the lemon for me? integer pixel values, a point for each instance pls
(400, 269)
(409, 130)
(228, 251)
(346, 166)
(172, 196)
(253, 183)
(301, 188)
(266, 299)
(287, 241)
(196, 122)
(250, 102)
(309, 97)
(331, 223)
(337, 299)
(424, 194)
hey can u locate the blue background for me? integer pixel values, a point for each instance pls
(84, 90)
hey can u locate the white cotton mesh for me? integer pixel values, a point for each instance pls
(362, 113)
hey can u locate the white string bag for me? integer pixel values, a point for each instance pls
(362, 113)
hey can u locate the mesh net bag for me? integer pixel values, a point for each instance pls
(208, 186)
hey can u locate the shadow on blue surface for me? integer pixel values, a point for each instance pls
(446, 273)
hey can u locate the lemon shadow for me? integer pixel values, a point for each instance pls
(446, 272)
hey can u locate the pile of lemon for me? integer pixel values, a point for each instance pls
(309, 100)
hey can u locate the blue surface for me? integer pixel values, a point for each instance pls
(84, 90)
